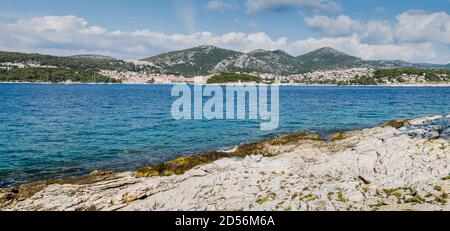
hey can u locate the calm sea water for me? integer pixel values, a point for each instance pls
(51, 131)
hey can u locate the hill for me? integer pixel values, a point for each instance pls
(191, 62)
(208, 60)
(80, 62)
(328, 58)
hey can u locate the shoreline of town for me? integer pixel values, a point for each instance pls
(242, 84)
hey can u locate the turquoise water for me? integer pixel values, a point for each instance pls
(51, 131)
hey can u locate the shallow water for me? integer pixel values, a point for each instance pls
(51, 131)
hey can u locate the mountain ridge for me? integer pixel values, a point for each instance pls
(215, 59)
(208, 60)
(205, 60)
(329, 58)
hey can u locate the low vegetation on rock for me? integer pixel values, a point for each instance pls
(181, 165)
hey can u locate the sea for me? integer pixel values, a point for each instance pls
(50, 131)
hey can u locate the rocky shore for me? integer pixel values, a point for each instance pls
(401, 165)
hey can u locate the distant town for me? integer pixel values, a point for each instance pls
(329, 76)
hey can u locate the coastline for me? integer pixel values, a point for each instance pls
(286, 156)
(242, 84)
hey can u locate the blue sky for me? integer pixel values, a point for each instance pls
(375, 29)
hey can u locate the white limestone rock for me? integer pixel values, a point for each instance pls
(400, 171)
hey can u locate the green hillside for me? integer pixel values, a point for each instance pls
(54, 75)
(328, 58)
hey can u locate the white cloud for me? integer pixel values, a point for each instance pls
(67, 35)
(410, 26)
(413, 52)
(372, 32)
(277, 5)
(418, 26)
(71, 35)
(340, 26)
(221, 5)
(407, 38)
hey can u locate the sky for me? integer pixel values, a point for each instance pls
(409, 30)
